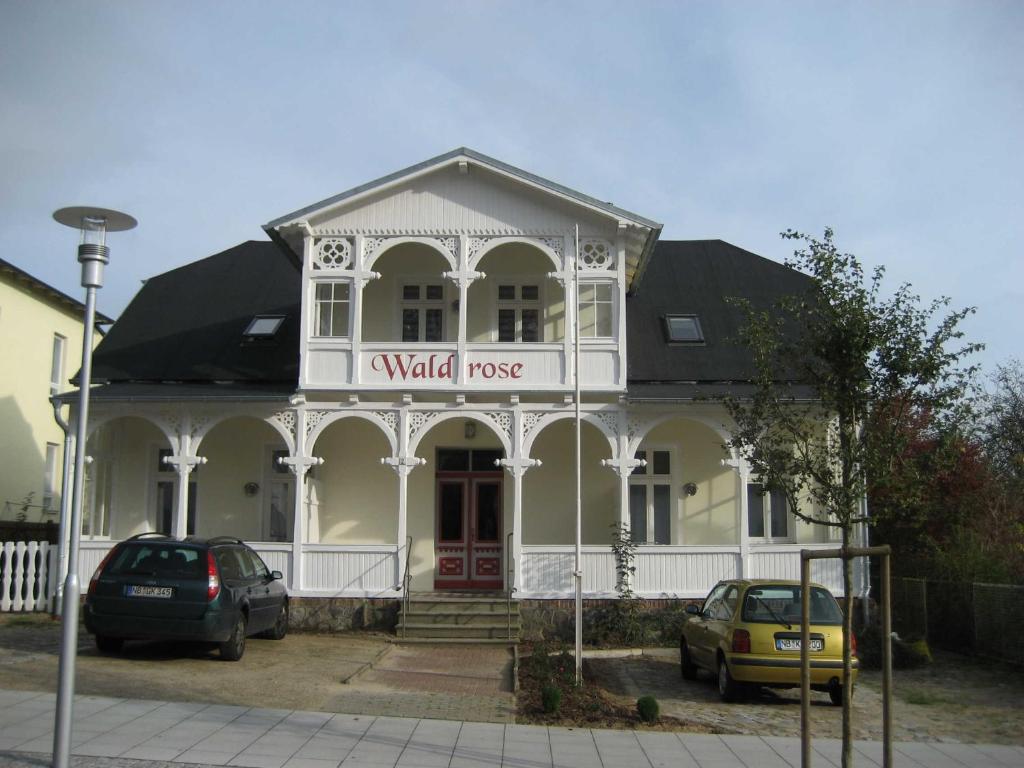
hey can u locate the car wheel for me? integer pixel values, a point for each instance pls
(728, 689)
(686, 666)
(233, 648)
(280, 628)
(835, 693)
(106, 644)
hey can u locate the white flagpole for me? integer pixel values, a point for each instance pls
(578, 573)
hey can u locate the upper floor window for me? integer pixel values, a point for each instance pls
(596, 310)
(683, 329)
(767, 513)
(422, 312)
(332, 309)
(57, 363)
(518, 312)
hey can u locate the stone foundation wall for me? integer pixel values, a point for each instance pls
(340, 614)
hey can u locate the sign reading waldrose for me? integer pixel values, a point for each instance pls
(414, 366)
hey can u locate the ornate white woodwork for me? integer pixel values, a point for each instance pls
(330, 253)
(596, 255)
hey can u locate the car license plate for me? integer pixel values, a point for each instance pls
(142, 590)
(791, 644)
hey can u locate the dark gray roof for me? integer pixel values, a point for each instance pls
(182, 335)
(187, 325)
(695, 277)
(177, 392)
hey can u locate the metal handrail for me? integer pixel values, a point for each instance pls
(510, 581)
(406, 584)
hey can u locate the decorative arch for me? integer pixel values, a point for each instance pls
(219, 419)
(432, 242)
(100, 420)
(491, 243)
(648, 426)
(335, 416)
(549, 419)
(438, 417)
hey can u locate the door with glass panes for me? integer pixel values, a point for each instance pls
(468, 512)
(651, 502)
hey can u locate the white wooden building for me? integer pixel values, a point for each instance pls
(387, 382)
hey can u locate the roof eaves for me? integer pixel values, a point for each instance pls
(48, 290)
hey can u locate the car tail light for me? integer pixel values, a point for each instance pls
(853, 644)
(99, 569)
(740, 641)
(213, 579)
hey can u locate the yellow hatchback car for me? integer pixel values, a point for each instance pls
(747, 634)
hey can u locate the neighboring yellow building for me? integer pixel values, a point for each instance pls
(40, 350)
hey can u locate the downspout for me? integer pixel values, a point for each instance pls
(63, 531)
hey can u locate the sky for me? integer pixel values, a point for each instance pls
(898, 124)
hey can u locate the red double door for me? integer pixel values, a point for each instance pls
(468, 531)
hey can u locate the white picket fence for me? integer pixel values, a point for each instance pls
(24, 569)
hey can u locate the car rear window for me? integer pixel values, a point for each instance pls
(142, 559)
(775, 603)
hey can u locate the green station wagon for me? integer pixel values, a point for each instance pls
(156, 587)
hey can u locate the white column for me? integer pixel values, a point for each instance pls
(183, 462)
(403, 464)
(463, 277)
(357, 309)
(299, 463)
(569, 290)
(743, 475)
(620, 300)
(516, 467)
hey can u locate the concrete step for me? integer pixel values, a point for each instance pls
(465, 605)
(461, 618)
(466, 632)
(451, 641)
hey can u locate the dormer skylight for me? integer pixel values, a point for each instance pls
(683, 329)
(263, 326)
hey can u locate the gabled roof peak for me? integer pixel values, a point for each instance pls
(453, 157)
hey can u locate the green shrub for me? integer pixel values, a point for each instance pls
(907, 653)
(551, 698)
(647, 708)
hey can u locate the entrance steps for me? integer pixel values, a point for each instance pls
(459, 617)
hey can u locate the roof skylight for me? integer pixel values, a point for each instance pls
(683, 329)
(263, 326)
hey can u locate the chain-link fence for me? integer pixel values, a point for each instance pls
(983, 619)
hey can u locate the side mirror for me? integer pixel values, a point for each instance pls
(693, 610)
(276, 575)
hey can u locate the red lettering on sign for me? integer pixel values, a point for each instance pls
(410, 365)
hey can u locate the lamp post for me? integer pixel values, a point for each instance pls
(93, 254)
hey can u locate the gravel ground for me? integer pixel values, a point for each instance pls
(955, 699)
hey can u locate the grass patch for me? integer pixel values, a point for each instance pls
(922, 697)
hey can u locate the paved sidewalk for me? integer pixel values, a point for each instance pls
(116, 732)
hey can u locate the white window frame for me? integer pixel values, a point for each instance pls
(518, 305)
(316, 309)
(421, 305)
(768, 499)
(274, 472)
(650, 480)
(163, 473)
(57, 362)
(611, 303)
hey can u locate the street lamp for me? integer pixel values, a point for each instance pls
(93, 254)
